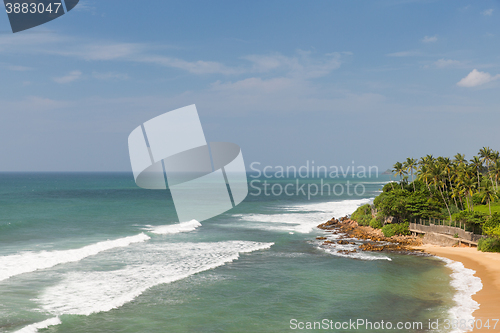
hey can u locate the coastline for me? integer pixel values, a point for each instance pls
(487, 268)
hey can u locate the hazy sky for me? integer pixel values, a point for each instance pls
(289, 81)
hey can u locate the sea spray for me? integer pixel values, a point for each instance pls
(173, 228)
(301, 218)
(466, 285)
(33, 328)
(84, 293)
(26, 262)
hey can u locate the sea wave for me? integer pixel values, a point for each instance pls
(26, 262)
(339, 250)
(302, 218)
(84, 293)
(173, 228)
(356, 255)
(33, 328)
(466, 284)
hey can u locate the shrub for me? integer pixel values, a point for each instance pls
(492, 226)
(453, 210)
(392, 229)
(476, 199)
(362, 215)
(375, 223)
(390, 186)
(488, 245)
(404, 204)
(470, 217)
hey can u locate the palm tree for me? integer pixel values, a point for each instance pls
(459, 159)
(495, 170)
(478, 164)
(423, 174)
(488, 194)
(411, 165)
(486, 155)
(437, 177)
(399, 170)
(469, 186)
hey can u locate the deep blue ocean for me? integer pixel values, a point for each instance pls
(92, 252)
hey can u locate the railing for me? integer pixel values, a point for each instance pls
(474, 228)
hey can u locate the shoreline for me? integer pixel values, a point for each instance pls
(487, 267)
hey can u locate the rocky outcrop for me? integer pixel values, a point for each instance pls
(374, 238)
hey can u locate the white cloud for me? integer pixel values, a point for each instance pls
(110, 76)
(404, 54)
(301, 65)
(487, 12)
(103, 51)
(430, 39)
(257, 86)
(476, 78)
(19, 68)
(441, 63)
(72, 76)
(86, 6)
(195, 67)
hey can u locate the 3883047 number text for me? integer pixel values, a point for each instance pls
(471, 324)
(32, 8)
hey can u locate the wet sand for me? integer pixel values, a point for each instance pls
(487, 267)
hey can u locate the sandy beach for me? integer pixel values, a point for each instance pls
(487, 267)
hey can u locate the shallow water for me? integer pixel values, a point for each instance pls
(94, 253)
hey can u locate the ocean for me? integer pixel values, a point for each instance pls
(92, 252)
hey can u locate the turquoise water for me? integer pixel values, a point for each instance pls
(95, 253)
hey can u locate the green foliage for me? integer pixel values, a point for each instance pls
(362, 215)
(420, 187)
(470, 217)
(390, 186)
(404, 203)
(375, 223)
(456, 235)
(476, 199)
(453, 210)
(488, 245)
(392, 229)
(492, 226)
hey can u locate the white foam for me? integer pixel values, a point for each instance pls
(466, 284)
(33, 328)
(301, 218)
(335, 248)
(356, 255)
(173, 228)
(26, 262)
(337, 208)
(84, 293)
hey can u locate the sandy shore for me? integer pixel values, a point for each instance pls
(487, 267)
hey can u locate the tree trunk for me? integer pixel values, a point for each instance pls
(412, 181)
(448, 208)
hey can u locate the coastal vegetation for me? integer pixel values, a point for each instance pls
(460, 191)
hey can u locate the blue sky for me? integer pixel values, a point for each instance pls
(289, 81)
